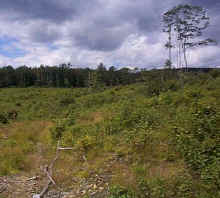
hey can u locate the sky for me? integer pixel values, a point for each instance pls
(87, 32)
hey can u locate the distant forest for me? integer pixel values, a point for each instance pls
(65, 75)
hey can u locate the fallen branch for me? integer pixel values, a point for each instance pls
(33, 178)
(65, 148)
(49, 176)
(55, 159)
(49, 170)
(45, 189)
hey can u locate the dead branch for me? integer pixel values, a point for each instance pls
(45, 189)
(65, 148)
(55, 159)
(49, 169)
(32, 178)
(49, 176)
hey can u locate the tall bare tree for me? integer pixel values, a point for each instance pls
(188, 23)
(167, 27)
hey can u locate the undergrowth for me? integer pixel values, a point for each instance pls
(166, 134)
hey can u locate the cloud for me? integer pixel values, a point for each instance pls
(204, 57)
(86, 32)
(50, 10)
(102, 38)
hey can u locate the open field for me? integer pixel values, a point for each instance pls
(128, 141)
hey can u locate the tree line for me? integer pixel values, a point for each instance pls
(65, 75)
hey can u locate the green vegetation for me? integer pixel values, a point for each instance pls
(160, 135)
(65, 75)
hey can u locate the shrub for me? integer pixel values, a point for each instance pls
(180, 186)
(58, 130)
(86, 143)
(3, 118)
(120, 192)
(211, 176)
(113, 125)
(67, 101)
(12, 114)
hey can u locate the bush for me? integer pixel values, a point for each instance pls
(113, 125)
(197, 138)
(86, 143)
(58, 130)
(3, 118)
(12, 114)
(180, 186)
(12, 161)
(211, 176)
(120, 192)
(67, 101)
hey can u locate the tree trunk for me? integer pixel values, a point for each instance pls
(185, 58)
(170, 46)
(180, 57)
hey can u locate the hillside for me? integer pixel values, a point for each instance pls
(156, 138)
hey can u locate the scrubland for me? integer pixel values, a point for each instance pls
(159, 138)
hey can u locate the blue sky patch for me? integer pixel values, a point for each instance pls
(9, 49)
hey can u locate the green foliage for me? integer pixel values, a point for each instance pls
(113, 125)
(215, 73)
(15, 162)
(3, 119)
(58, 130)
(67, 101)
(210, 175)
(86, 143)
(65, 76)
(120, 192)
(197, 138)
(180, 186)
(168, 64)
(148, 128)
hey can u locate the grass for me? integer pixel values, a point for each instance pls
(162, 145)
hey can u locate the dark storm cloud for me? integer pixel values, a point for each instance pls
(101, 40)
(42, 33)
(105, 30)
(104, 34)
(111, 26)
(143, 15)
(208, 4)
(52, 10)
